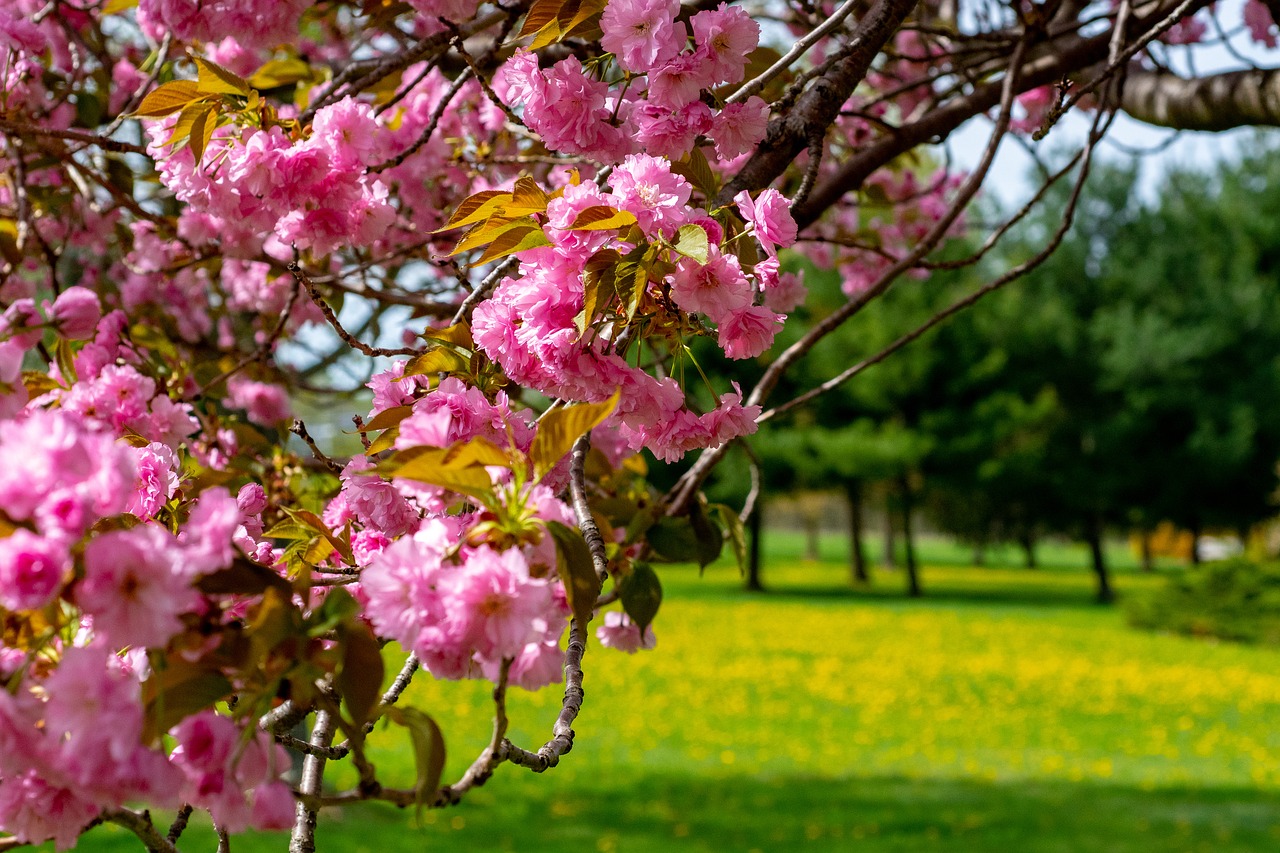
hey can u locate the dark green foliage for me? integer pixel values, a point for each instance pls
(1230, 600)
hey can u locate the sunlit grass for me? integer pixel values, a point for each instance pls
(1003, 712)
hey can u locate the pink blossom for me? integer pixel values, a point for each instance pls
(738, 127)
(769, 217)
(75, 313)
(31, 570)
(679, 81)
(206, 539)
(669, 133)
(35, 810)
(496, 606)
(714, 289)
(642, 33)
(645, 186)
(725, 36)
(748, 332)
(264, 403)
(135, 587)
(158, 478)
(376, 502)
(619, 632)
(1257, 17)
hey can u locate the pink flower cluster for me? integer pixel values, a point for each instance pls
(71, 745)
(255, 23)
(463, 610)
(311, 193)
(577, 112)
(529, 325)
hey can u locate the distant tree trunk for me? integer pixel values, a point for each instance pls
(1094, 538)
(1148, 559)
(857, 559)
(755, 525)
(980, 553)
(890, 559)
(913, 575)
(1028, 540)
(812, 531)
(1195, 543)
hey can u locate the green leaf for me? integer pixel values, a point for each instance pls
(697, 171)
(691, 241)
(177, 689)
(577, 570)
(710, 539)
(559, 429)
(641, 594)
(360, 675)
(242, 578)
(202, 131)
(732, 525)
(673, 540)
(338, 607)
(599, 286)
(428, 749)
(216, 80)
(65, 357)
(168, 98)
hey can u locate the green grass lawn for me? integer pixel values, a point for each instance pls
(1003, 712)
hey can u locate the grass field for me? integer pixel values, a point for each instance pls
(1003, 712)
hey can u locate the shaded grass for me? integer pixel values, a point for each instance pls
(970, 720)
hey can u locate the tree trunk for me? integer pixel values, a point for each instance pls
(913, 575)
(1195, 544)
(857, 559)
(1148, 559)
(1028, 541)
(812, 530)
(890, 559)
(1094, 538)
(755, 525)
(980, 554)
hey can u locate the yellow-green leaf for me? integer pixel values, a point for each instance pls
(387, 418)
(526, 198)
(428, 749)
(488, 231)
(427, 465)
(168, 99)
(216, 80)
(115, 7)
(511, 242)
(459, 334)
(475, 208)
(360, 675)
(601, 217)
(280, 72)
(691, 241)
(475, 451)
(542, 13)
(577, 571)
(438, 360)
(559, 429)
